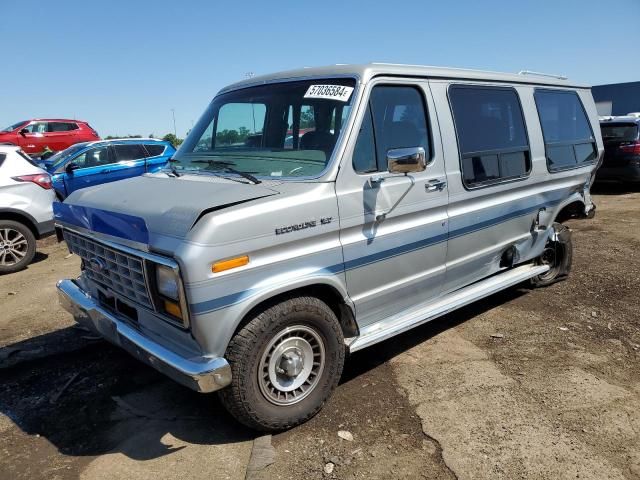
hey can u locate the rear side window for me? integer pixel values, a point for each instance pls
(492, 136)
(619, 132)
(395, 118)
(62, 126)
(129, 152)
(568, 139)
(155, 150)
(2, 157)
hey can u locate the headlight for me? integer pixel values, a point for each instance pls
(167, 282)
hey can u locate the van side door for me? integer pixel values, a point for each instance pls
(393, 226)
(495, 194)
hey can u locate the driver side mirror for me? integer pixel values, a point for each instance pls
(71, 167)
(24, 132)
(407, 160)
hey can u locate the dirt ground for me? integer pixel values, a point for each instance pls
(541, 384)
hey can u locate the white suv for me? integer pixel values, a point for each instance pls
(26, 213)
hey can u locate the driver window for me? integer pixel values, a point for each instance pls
(93, 158)
(395, 118)
(38, 127)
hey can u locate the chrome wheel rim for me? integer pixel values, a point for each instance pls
(291, 365)
(13, 247)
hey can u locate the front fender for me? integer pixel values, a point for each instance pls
(213, 330)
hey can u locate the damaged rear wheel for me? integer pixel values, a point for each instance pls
(558, 255)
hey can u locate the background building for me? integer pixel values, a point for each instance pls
(617, 98)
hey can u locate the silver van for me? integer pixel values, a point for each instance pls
(315, 212)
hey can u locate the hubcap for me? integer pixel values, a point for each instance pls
(291, 365)
(551, 257)
(13, 246)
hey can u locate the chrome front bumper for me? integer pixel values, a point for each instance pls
(201, 374)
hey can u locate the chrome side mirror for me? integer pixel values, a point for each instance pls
(407, 160)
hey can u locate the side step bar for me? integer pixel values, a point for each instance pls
(424, 313)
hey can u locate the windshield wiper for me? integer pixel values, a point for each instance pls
(226, 166)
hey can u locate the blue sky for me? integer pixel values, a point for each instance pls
(123, 65)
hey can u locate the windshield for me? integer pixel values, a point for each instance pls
(620, 132)
(11, 128)
(285, 129)
(58, 158)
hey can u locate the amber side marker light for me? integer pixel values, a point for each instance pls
(172, 308)
(229, 264)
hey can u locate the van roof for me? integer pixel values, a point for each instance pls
(368, 71)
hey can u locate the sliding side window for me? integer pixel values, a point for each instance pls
(568, 139)
(492, 137)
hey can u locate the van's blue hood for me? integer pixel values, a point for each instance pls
(139, 207)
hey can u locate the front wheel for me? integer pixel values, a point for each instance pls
(285, 363)
(558, 255)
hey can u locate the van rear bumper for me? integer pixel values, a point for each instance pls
(202, 374)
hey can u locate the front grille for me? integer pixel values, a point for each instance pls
(110, 268)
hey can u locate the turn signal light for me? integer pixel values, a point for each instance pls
(172, 309)
(229, 264)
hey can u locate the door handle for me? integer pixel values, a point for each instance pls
(106, 170)
(435, 185)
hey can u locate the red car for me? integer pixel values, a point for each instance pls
(40, 135)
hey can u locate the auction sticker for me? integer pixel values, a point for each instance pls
(329, 92)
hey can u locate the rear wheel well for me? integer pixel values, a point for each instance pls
(572, 210)
(326, 293)
(16, 217)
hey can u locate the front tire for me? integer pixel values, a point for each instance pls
(558, 254)
(285, 363)
(17, 246)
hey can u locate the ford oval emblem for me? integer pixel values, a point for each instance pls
(97, 264)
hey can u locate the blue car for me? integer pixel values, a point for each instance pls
(93, 163)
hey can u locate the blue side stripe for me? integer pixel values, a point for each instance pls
(103, 221)
(501, 219)
(394, 252)
(221, 302)
(235, 298)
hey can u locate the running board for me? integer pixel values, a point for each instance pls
(404, 321)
